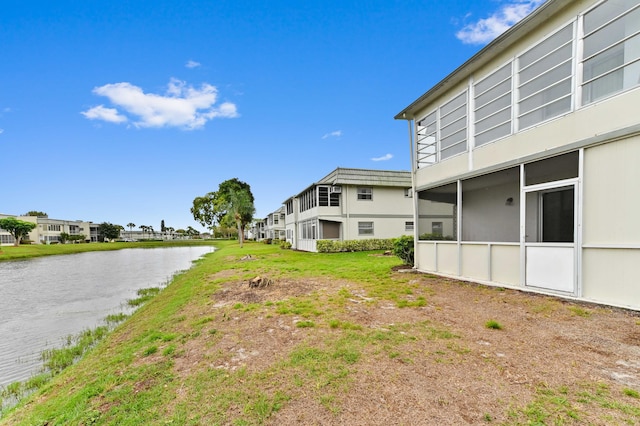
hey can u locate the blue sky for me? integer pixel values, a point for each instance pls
(125, 112)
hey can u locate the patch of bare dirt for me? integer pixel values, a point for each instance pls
(474, 377)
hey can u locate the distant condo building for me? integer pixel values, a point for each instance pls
(48, 230)
(348, 204)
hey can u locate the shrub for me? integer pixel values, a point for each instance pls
(334, 246)
(285, 244)
(435, 237)
(403, 248)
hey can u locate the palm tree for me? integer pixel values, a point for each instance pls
(143, 228)
(240, 205)
(131, 225)
(169, 230)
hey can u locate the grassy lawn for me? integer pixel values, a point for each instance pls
(36, 250)
(335, 339)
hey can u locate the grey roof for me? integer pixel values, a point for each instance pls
(280, 210)
(342, 176)
(363, 177)
(500, 43)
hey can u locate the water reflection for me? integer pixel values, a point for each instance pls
(46, 299)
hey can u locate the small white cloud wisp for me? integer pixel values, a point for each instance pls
(105, 114)
(485, 30)
(383, 158)
(334, 134)
(192, 64)
(182, 105)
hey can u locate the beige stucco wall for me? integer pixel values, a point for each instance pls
(475, 261)
(610, 218)
(448, 258)
(505, 264)
(611, 276)
(612, 193)
(425, 256)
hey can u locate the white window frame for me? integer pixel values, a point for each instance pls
(365, 193)
(365, 228)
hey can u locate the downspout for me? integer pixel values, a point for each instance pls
(346, 211)
(413, 188)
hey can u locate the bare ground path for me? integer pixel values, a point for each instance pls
(551, 362)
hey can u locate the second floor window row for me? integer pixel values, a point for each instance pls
(540, 83)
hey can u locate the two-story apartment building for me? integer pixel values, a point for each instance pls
(48, 230)
(350, 204)
(532, 148)
(274, 225)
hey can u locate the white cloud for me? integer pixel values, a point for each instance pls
(192, 64)
(485, 30)
(181, 106)
(334, 134)
(1, 131)
(106, 114)
(383, 158)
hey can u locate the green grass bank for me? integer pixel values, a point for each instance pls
(36, 250)
(334, 339)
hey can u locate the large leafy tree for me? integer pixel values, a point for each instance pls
(231, 203)
(36, 213)
(109, 231)
(17, 228)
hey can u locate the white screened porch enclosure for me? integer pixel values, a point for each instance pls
(516, 227)
(318, 229)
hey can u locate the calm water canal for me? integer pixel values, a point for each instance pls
(46, 299)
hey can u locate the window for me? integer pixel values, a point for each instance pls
(7, 239)
(275, 219)
(408, 226)
(442, 133)
(327, 197)
(365, 193)
(426, 141)
(453, 126)
(493, 101)
(308, 230)
(365, 228)
(552, 216)
(289, 207)
(560, 167)
(54, 228)
(544, 74)
(438, 213)
(491, 207)
(307, 200)
(323, 196)
(611, 58)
